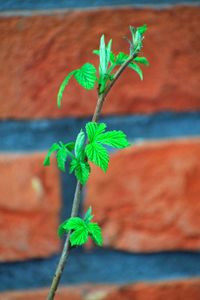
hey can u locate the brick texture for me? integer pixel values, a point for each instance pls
(37, 52)
(173, 290)
(149, 198)
(29, 207)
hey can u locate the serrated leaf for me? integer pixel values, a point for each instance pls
(114, 138)
(74, 223)
(88, 215)
(61, 229)
(121, 58)
(61, 158)
(62, 88)
(70, 146)
(86, 76)
(79, 237)
(97, 154)
(93, 129)
(80, 140)
(142, 29)
(81, 169)
(141, 60)
(52, 149)
(95, 233)
(137, 69)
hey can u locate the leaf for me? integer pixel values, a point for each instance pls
(142, 29)
(93, 130)
(52, 149)
(61, 158)
(88, 215)
(80, 140)
(62, 88)
(79, 237)
(82, 170)
(102, 56)
(74, 223)
(61, 229)
(97, 154)
(141, 60)
(70, 146)
(121, 58)
(95, 233)
(86, 76)
(108, 53)
(137, 69)
(114, 138)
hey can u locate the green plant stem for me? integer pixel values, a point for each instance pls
(77, 195)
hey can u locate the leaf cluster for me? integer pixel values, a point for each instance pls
(81, 152)
(87, 77)
(82, 229)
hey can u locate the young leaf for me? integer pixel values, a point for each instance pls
(141, 60)
(102, 57)
(86, 76)
(121, 58)
(52, 149)
(137, 69)
(142, 29)
(61, 158)
(79, 237)
(97, 154)
(88, 215)
(114, 138)
(95, 233)
(61, 229)
(74, 223)
(82, 170)
(79, 143)
(62, 88)
(93, 130)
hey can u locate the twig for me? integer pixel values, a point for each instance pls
(76, 201)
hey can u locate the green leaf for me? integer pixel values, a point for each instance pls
(88, 215)
(137, 69)
(61, 229)
(52, 149)
(96, 52)
(86, 76)
(142, 29)
(62, 88)
(70, 146)
(97, 154)
(82, 170)
(121, 58)
(95, 233)
(61, 158)
(74, 223)
(141, 60)
(80, 140)
(102, 56)
(79, 237)
(93, 130)
(114, 138)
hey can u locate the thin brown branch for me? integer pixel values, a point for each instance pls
(76, 201)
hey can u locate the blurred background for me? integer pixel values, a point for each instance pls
(148, 202)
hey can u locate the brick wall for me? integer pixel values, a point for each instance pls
(150, 216)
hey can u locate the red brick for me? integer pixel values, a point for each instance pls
(29, 207)
(173, 290)
(37, 52)
(149, 198)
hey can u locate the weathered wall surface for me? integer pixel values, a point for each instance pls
(148, 201)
